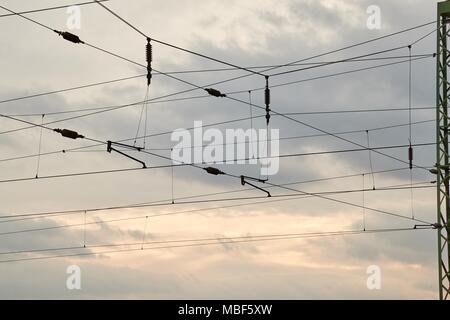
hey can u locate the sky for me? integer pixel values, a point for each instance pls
(245, 33)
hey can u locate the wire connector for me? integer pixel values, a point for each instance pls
(69, 36)
(69, 133)
(215, 93)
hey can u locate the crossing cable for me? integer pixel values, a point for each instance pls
(265, 108)
(168, 72)
(100, 110)
(332, 75)
(329, 133)
(216, 241)
(199, 165)
(50, 8)
(338, 61)
(176, 47)
(77, 40)
(274, 112)
(281, 198)
(63, 132)
(83, 149)
(108, 52)
(163, 201)
(350, 203)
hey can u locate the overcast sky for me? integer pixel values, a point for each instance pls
(245, 33)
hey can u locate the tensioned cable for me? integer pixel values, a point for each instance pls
(280, 236)
(207, 243)
(288, 196)
(254, 141)
(337, 61)
(168, 72)
(330, 75)
(162, 202)
(50, 8)
(228, 97)
(83, 149)
(238, 77)
(99, 110)
(202, 163)
(177, 78)
(177, 47)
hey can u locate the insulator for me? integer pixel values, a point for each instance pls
(149, 52)
(213, 171)
(215, 93)
(267, 100)
(149, 58)
(69, 133)
(69, 36)
(410, 157)
(267, 96)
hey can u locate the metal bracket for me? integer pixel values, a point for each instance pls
(110, 148)
(244, 182)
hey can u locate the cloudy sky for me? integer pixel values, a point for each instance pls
(245, 33)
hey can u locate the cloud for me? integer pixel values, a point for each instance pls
(245, 33)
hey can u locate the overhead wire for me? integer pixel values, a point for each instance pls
(228, 240)
(50, 8)
(163, 201)
(287, 197)
(174, 46)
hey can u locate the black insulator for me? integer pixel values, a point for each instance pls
(410, 157)
(149, 57)
(149, 52)
(69, 36)
(213, 171)
(267, 96)
(215, 93)
(69, 133)
(267, 100)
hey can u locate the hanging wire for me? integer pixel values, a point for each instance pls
(145, 122)
(39, 148)
(145, 232)
(84, 230)
(144, 104)
(364, 202)
(172, 168)
(251, 122)
(410, 150)
(370, 160)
